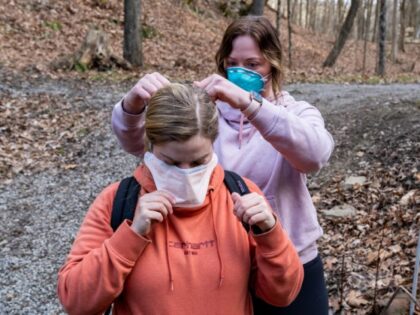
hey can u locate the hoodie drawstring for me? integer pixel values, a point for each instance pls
(241, 130)
(219, 254)
(171, 279)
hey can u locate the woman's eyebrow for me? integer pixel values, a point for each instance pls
(204, 156)
(197, 159)
(253, 59)
(167, 157)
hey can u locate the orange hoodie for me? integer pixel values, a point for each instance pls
(198, 261)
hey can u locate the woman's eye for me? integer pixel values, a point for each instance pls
(171, 163)
(231, 64)
(196, 163)
(252, 65)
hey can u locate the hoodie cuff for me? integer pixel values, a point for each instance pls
(270, 241)
(127, 119)
(265, 120)
(127, 243)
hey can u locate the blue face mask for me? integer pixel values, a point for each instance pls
(246, 79)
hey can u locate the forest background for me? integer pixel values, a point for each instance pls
(62, 67)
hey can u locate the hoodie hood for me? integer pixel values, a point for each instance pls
(238, 121)
(232, 115)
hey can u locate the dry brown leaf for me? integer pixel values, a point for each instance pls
(354, 298)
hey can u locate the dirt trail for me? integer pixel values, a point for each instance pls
(40, 214)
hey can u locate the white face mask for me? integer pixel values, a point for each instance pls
(189, 186)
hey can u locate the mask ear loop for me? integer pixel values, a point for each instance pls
(266, 77)
(265, 80)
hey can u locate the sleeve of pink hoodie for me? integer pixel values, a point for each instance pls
(129, 130)
(277, 272)
(297, 131)
(99, 260)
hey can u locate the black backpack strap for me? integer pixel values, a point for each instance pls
(125, 201)
(236, 183)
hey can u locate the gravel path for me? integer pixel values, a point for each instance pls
(41, 214)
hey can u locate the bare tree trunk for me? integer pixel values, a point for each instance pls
(307, 14)
(380, 69)
(278, 17)
(132, 35)
(332, 22)
(289, 30)
(344, 33)
(300, 12)
(340, 5)
(340, 14)
(412, 14)
(394, 31)
(355, 36)
(367, 27)
(325, 15)
(417, 20)
(375, 24)
(294, 15)
(314, 14)
(402, 26)
(257, 7)
(361, 21)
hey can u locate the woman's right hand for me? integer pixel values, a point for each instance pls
(220, 88)
(152, 207)
(141, 93)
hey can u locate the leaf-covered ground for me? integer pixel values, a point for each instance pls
(58, 152)
(178, 40)
(370, 254)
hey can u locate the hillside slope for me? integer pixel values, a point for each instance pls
(179, 41)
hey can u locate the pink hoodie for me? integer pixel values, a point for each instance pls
(283, 142)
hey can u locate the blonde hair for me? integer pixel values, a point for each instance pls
(178, 112)
(265, 36)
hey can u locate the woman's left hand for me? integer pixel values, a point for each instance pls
(253, 209)
(219, 88)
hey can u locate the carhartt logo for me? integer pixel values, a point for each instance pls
(191, 248)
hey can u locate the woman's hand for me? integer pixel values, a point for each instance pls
(141, 93)
(152, 207)
(219, 88)
(253, 210)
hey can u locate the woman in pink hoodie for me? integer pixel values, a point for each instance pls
(185, 251)
(264, 134)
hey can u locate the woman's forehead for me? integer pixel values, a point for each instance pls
(245, 47)
(192, 149)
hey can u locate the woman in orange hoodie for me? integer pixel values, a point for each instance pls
(185, 251)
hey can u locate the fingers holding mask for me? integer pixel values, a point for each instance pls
(151, 208)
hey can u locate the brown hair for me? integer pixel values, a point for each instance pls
(262, 31)
(178, 112)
